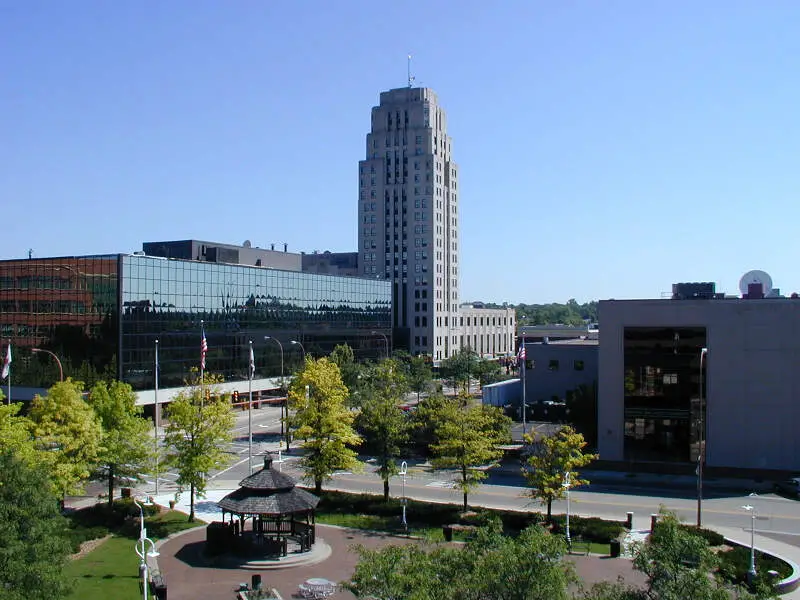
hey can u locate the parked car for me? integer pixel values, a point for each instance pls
(790, 487)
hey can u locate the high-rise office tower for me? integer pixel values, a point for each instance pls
(408, 219)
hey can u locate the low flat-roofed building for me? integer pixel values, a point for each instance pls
(662, 361)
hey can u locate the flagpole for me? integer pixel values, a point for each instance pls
(157, 418)
(524, 355)
(250, 367)
(8, 365)
(203, 345)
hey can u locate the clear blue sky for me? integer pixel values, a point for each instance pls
(606, 149)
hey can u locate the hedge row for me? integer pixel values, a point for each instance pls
(712, 537)
(429, 514)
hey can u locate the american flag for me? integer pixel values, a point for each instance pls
(252, 365)
(521, 353)
(203, 349)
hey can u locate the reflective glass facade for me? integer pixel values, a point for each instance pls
(662, 393)
(110, 310)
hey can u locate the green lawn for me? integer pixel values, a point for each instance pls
(109, 571)
(112, 569)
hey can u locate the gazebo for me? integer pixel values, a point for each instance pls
(279, 513)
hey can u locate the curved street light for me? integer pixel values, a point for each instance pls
(60, 368)
(701, 440)
(751, 574)
(142, 552)
(385, 340)
(301, 348)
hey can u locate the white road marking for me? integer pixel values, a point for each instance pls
(441, 484)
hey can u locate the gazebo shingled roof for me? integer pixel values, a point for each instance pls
(268, 492)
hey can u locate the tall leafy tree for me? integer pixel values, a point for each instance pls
(16, 434)
(351, 371)
(419, 375)
(69, 432)
(430, 413)
(492, 566)
(33, 543)
(459, 369)
(550, 460)
(318, 396)
(382, 423)
(487, 371)
(198, 430)
(468, 441)
(127, 450)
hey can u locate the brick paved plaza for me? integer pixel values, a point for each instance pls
(189, 578)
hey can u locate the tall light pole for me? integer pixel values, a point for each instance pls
(751, 574)
(403, 472)
(522, 356)
(566, 485)
(301, 348)
(385, 340)
(156, 415)
(142, 552)
(251, 369)
(701, 441)
(58, 362)
(285, 402)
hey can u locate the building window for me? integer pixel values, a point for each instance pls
(578, 365)
(552, 365)
(670, 378)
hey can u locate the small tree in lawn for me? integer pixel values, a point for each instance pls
(551, 459)
(321, 418)
(199, 427)
(127, 446)
(69, 433)
(381, 421)
(467, 442)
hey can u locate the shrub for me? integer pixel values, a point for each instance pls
(592, 529)
(712, 537)
(735, 563)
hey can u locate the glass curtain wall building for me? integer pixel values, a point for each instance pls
(103, 314)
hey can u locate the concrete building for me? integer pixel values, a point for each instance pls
(655, 379)
(408, 218)
(554, 368)
(487, 331)
(231, 254)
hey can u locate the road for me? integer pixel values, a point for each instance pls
(778, 516)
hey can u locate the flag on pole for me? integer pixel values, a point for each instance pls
(521, 353)
(6, 363)
(252, 362)
(203, 349)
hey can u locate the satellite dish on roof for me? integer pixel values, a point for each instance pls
(247, 244)
(752, 277)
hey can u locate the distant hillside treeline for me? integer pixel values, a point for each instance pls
(570, 313)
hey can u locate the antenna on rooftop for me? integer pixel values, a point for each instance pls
(410, 76)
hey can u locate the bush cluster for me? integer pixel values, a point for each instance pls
(735, 563)
(592, 529)
(712, 537)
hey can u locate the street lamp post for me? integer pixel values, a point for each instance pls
(301, 348)
(701, 441)
(285, 417)
(385, 340)
(566, 485)
(403, 472)
(751, 574)
(58, 362)
(142, 552)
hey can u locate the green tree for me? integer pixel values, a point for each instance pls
(127, 450)
(678, 564)
(490, 567)
(426, 419)
(199, 428)
(420, 375)
(459, 369)
(551, 459)
(16, 433)
(351, 371)
(468, 442)
(318, 396)
(487, 371)
(69, 432)
(33, 543)
(381, 422)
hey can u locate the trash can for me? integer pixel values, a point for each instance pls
(448, 533)
(255, 581)
(159, 587)
(616, 548)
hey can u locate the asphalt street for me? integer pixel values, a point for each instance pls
(778, 517)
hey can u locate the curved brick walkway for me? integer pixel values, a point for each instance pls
(188, 578)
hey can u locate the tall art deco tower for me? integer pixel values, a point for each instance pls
(408, 218)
